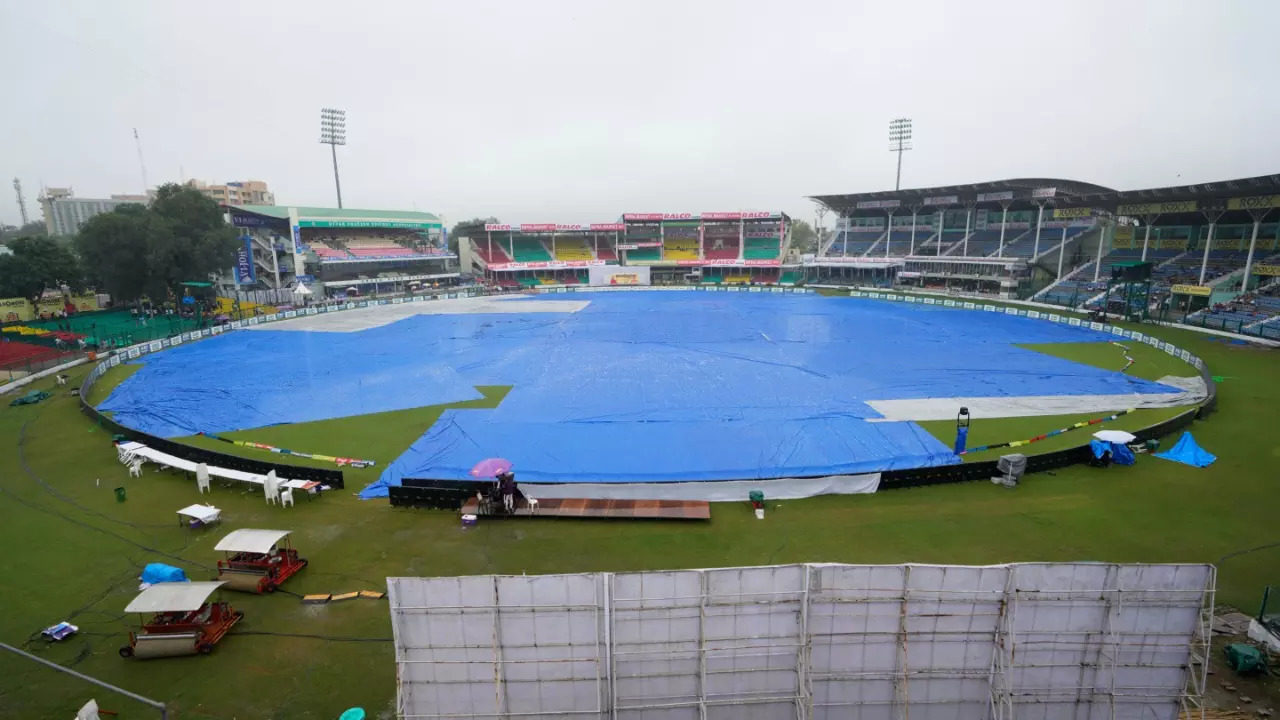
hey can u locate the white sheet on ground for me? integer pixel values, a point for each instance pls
(1031, 405)
(379, 315)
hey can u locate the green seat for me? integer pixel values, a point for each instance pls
(644, 254)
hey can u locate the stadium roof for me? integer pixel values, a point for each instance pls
(1021, 188)
(340, 217)
(1233, 196)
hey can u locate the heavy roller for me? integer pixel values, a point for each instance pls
(257, 560)
(182, 622)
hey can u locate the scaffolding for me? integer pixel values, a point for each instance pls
(1058, 641)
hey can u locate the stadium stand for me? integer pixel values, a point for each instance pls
(607, 252)
(761, 249)
(530, 249)
(681, 242)
(900, 241)
(721, 242)
(649, 253)
(572, 247)
(983, 243)
(789, 278)
(853, 244)
(494, 253)
(952, 243)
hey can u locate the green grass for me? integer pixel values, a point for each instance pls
(71, 551)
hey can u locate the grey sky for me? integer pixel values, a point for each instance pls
(578, 111)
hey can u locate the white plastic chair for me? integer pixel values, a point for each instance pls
(273, 497)
(202, 478)
(286, 497)
(135, 468)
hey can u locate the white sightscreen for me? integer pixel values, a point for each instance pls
(1054, 641)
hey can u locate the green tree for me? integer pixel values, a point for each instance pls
(38, 264)
(473, 228)
(34, 228)
(136, 250)
(803, 237)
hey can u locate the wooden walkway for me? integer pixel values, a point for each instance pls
(610, 509)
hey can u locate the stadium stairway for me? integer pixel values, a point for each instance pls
(1061, 291)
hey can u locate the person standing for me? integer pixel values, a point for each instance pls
(507, 488)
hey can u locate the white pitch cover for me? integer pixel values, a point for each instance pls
(1031, 641)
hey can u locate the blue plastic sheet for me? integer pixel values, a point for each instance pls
(159, 572)
(1120, 453)
(1187, 452)
(644, 386)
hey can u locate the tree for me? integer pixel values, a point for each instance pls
(473, 228)
(803, 238)
(38, 264)
(136, 250)
(34, 228)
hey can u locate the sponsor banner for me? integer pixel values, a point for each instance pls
(866, 228)
(1013, 225)
(608, 227)
(980, 221)
(628, 246)
(1040, 193)
(1080, 212)
(1123, 238)
(1201, 290)
(908, 274)
(548, 265)
(879, 204)
(942, 200)
(761, 234)
(995, 196)
(497, 227)
(857, 261)
(1258, 202)
(637, 245)
(1269, 270)
(653, 217)
(369, 224)
(760, 215)
(245, 272)
(85, 303)
(14, 309)
(305, 278)
(1158, 208)
(247, 221)
(536, 227)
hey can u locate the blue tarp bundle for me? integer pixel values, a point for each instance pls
(1120, 453)
(159, 572)
(1187, 452)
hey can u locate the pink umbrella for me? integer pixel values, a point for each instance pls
(492, 467)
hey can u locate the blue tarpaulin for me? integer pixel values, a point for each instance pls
(638, 386)
(159, 572)
(1120, 453)
(1187, 452)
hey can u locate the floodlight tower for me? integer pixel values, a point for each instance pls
(899, 142)
(333, 132)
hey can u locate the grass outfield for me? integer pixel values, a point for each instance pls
(71, 551)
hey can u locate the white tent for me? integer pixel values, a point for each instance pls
(301, 291)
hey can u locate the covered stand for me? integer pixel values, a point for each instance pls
(257, 560)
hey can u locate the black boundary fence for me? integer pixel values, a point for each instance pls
(332, 478)
(450, 494)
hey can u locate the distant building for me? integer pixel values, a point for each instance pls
(64, 213)
(244, 192)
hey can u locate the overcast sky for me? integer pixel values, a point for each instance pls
(578, 111)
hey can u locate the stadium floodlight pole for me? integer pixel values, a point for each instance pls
(1004, 223)
(899, 142)
(164, 710)
(333, 132)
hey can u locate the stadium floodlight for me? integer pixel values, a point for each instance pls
(333, 132)
(899, 142)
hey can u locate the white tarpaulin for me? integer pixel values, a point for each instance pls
(604, 275)
(1058, 641)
